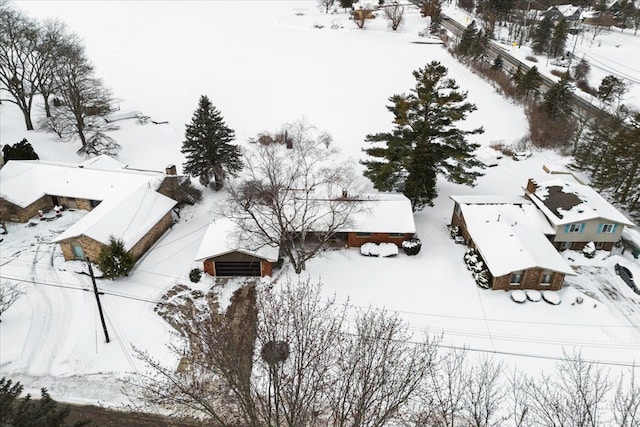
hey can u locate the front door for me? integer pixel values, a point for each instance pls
(78, 253)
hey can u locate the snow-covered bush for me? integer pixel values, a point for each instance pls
(388, 249)
(412, 246)
(369, 249)
(114, 260)
(533, 295)
(551, 297)
(589, 250)
(195, 275)
(519, 296)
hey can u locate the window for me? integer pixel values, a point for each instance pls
(574, 228)
(363, 234)
(607, 228)
(546, 278)
(599, 245)
(72, 203)
(78, 253)
(565, 245)
(516, 278)
(396, 234)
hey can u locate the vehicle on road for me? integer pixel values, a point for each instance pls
(626, 275)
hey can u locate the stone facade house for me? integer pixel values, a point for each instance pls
(577, 214)
(509, 235)
(122, 202)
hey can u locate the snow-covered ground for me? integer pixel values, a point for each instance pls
(262, 64)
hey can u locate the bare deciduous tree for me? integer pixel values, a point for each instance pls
(379, 371)
(361, 13)
(9, 294)
(626, 403)
(484, 393)
(325, 5)
(293, 198)
(394, 13)
(18, 41)
(573, 397)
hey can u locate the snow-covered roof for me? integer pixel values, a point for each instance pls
(518, 208)
(25, 181)
(383, 213)
(508, 244)
(565, 202)
(566, 10)
(128, 218)
(222, 237)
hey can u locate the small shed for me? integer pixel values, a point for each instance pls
(222, 253)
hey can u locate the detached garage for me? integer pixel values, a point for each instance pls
(222, 255)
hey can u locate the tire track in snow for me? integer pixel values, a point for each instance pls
(50, 316)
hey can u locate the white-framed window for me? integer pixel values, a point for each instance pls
(516, 278)
(396, 234)
(575, 228)
(607, 228)
(565, 245)
(546, 278)
(358, 234)
(78, 252)
(599, 245)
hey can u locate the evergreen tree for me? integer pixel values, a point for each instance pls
(559, 38)
(557, 100)
(611, 88)
(207, 146)
(528, 85)
(498, 63)
(44, 412)
(467, 39)
(542, 36)
(114, 260)
(346, 4)
(19, 151)
(424, 141)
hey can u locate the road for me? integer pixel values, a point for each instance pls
(581, 106)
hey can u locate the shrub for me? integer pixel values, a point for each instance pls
(195, 275)
(114, 260)
(19, 151)
(531, 58)
(412, 246)
(560, 73)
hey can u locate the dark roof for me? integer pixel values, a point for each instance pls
(558, 199)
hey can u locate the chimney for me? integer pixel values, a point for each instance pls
(170, 170)
(532, 186)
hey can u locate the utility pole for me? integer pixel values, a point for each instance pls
(95, 291)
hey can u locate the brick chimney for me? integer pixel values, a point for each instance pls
(532, 186)
(170, 170)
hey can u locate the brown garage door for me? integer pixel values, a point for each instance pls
(237, 268)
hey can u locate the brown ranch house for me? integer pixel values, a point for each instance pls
(509, 235)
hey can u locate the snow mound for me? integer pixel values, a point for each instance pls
(551, 297)
(383, 249)
(519, 296)
(533, 295)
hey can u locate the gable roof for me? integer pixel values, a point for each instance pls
(382, 213)
(25, 181)
(129, 218)
(564, 202)
(507, 240)
(222, 238)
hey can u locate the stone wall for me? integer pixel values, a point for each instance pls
(152, 236)
(90, 247)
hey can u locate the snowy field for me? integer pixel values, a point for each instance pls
(264, 63)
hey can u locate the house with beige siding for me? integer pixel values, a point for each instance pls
(577, 214)
(119, 201)
(509, 234)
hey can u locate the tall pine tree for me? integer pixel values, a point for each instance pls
(425, 141)
(207, 146)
